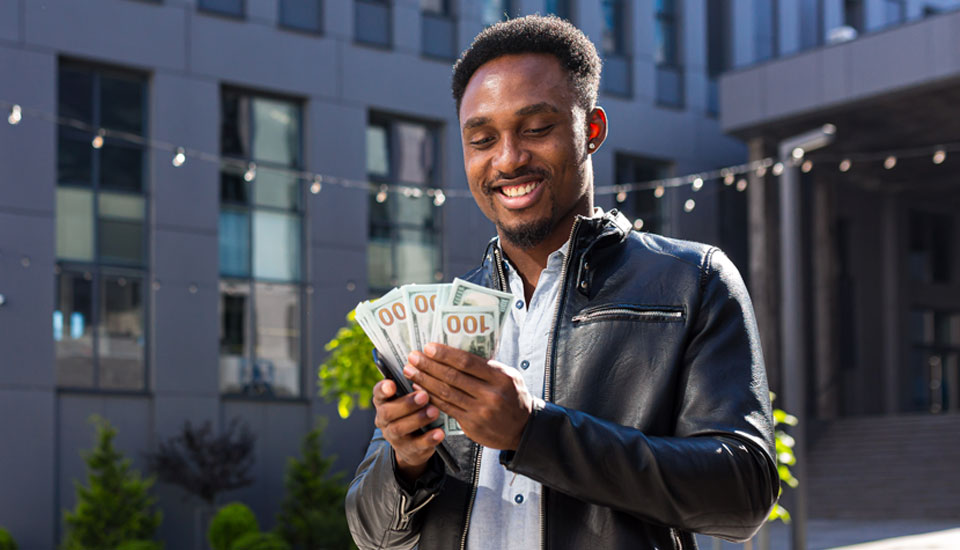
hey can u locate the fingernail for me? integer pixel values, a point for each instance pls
(437, 436)
(430, 349)
(414, 358)
(420, 398)
(409, 371)
(431, 411)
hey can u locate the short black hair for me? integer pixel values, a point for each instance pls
(534, 34)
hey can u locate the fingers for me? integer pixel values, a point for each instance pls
(408, 425)
(438, 389)
(389, 410)
(417, 449)
(383, 390)
(463, 361)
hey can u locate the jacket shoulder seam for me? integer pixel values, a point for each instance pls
(705, 268)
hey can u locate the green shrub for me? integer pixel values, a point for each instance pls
(312, 513)
(348, 375)
(140, 545)
(6, 540)
(115, 505)
(231, 522)
(260, 541)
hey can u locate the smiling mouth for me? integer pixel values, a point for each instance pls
(519, 190)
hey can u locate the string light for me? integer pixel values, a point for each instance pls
(890, 162)
(689, 205)
(658, 192)
(179, 157)
(762, 171)
(638, 224)
(98, 139)
(439, 198)
(939, 156)
(742, 185)
(697, 184)
(845, 165)
(806, 166)
(797, 153)
(621, 196)
(728, 179)
(16, 115)
(317, 184)
(251, 172)
(382, 195)
(777, 169)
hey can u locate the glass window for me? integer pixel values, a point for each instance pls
(404, 245)
(305, 15)
(101, 219)
(895, 12)
(649, 206)
(261, 227)
(438, 32)
(612, 40)
(560, 8)
(495, 11)
(225, 7)
(931, 379)
(718, 37)
(438, 7)
(73, 330)
(853, 14)
(372, 22)
(931, 243)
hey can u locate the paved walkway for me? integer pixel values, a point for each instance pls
(857, 535)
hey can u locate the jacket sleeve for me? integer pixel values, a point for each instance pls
(717, 474)
(382, 511)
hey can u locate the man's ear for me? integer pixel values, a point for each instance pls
(596, 128)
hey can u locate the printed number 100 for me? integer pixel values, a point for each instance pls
(468, 323)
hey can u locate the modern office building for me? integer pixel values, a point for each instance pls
(153, 288)
(879, 240)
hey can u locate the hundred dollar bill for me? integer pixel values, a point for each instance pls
(421, 302)
(464, 293)
(389, 316)
(469, 328)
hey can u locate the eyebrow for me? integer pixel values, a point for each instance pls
(542, 107)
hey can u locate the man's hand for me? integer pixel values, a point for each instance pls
(400, 421)
(488, 399)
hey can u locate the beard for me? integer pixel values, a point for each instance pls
(530, 234)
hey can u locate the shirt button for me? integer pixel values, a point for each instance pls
(518, 499)
(524, 364)
(519, 304)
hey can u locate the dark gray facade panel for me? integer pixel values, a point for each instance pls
(338, 217)
(260, 57)
(186, 257)
(26, 149)
(27, 426)
(10, 21)
(186, 335)
(27, 283)
(133, 33)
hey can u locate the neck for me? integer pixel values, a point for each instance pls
(530, 262)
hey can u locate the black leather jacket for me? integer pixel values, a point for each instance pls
(657, 420)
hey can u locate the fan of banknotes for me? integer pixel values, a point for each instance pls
(460, 314)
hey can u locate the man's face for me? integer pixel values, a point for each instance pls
(524, 146)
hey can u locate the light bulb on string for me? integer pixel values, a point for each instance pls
(697, 184)
(939, 156)
(382, 195)
(797, 153)
(689, 205)
(806, 166)
(621, 196)
(742, 185)
(638, 224)
(777, 169)
(439, 198)
(16, 115)
(407, 192)
(179, 157)
(98, 139)
(728, 179)
(251, 172)
(761, 171)
(659, 191)
(890, 162)
(845, 165)
(317, 184)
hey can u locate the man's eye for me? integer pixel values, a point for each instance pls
(541, 130)
(481, 141)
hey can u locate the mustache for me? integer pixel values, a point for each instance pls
(501, 177)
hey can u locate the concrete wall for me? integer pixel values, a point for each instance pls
(189, 55)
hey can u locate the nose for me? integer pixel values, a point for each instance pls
(510, 155)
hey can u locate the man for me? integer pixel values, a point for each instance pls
(628, 404)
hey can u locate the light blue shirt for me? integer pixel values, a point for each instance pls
(506, 510)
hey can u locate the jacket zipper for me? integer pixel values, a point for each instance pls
(473, 495)
(651, 314)
(547, 381)
(406, 515)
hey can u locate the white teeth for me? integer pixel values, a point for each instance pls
(518, 190)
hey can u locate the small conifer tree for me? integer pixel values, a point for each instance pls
(312, 514)
(115, 505)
